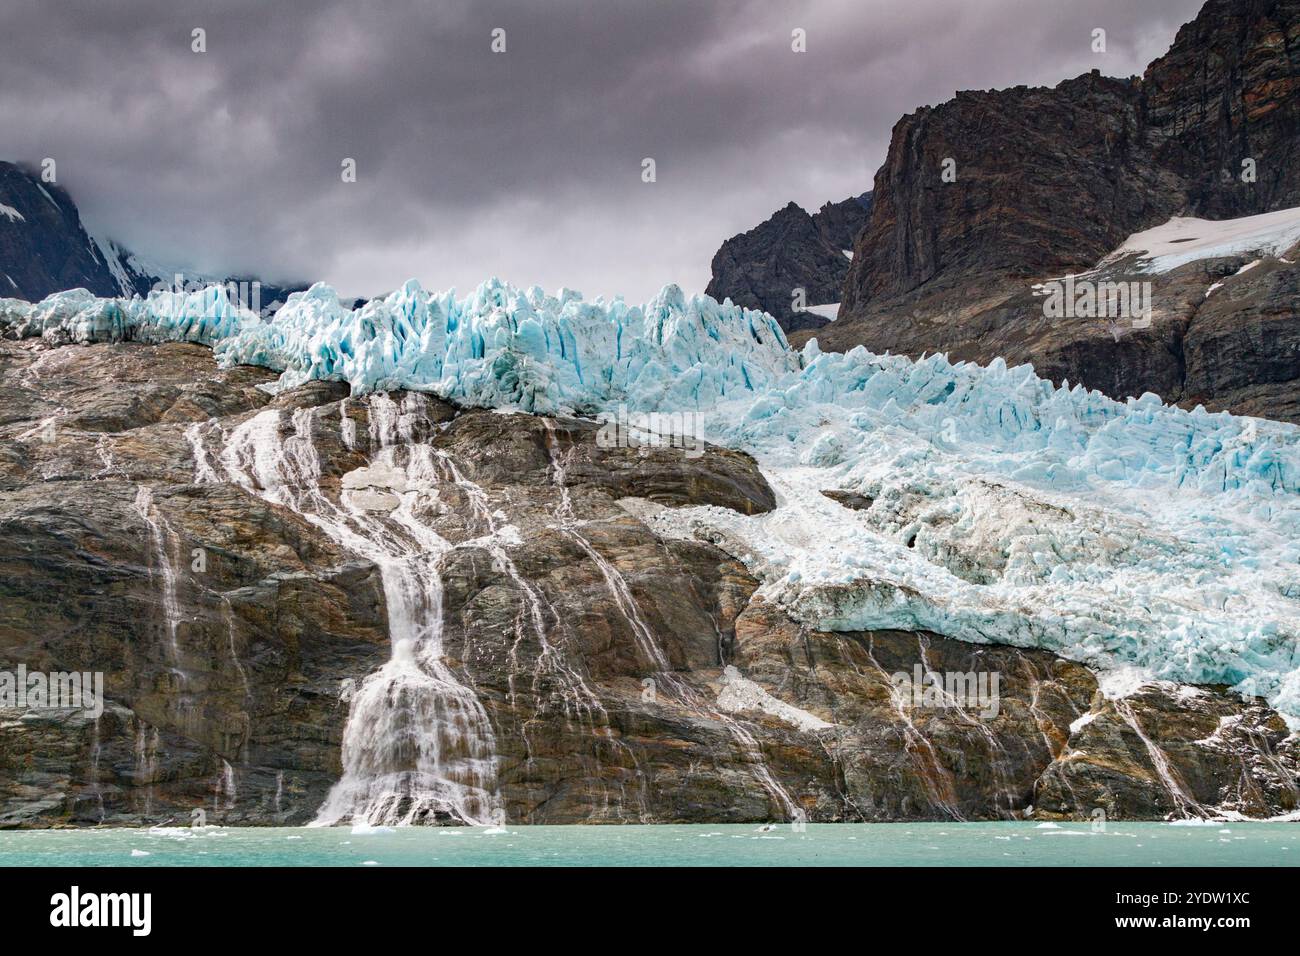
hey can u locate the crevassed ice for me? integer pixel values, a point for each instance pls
(1005, 508)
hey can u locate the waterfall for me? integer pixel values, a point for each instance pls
(552, 674)
(228, 614)
(158, 534)
(145, 771)
(750, 749)
(225, 792)
(1266, 755)
(935, 777)
(1169, 777)
(96, 790)
(578, 699)
(999, 760)
(418, 746)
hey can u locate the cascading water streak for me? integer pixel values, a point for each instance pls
(747, 744)
(418, 747)
(1187, 805)
(158, 534)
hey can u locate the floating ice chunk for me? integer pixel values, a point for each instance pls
(365, 829)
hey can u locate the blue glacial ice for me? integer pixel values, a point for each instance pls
(1004, 508)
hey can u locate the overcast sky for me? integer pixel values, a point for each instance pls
(524, 164)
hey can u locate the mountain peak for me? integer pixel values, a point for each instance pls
(46, 248)
(762, 268)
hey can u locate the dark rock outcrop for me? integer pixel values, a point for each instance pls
(1044, 180)
(1220, 337)
(762, 268)
(43, 246)
(1049, 181)
(1228, 91)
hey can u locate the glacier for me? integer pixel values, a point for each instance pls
(988, 505)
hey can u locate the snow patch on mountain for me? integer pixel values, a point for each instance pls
(115, 259)
(1185, 239)
(987, 504)
(46, 193)
(830, 310)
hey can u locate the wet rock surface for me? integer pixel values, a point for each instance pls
(220, 623)
(229, 561)
(1174, 750)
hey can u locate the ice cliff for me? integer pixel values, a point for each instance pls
(983, 502)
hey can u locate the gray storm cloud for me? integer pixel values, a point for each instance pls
(524, 164)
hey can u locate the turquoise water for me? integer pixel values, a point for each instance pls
(881, 844)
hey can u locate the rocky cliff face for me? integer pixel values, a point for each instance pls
(45, 248)
(240, 567)
(1041, 180)
(1049, 181)
(1224, 334)
(1228, 91)
(760, 269)
(1054, 179)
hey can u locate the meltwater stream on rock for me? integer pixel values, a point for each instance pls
(418, 746)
